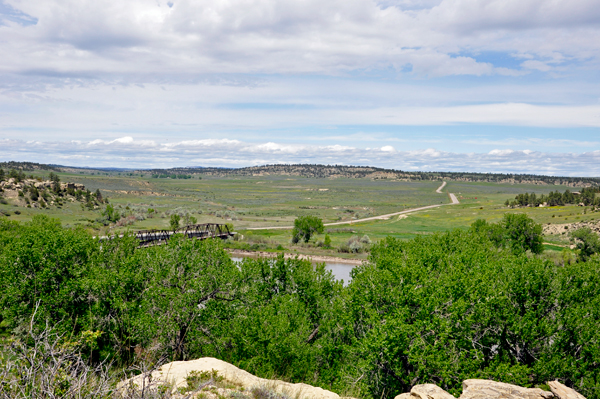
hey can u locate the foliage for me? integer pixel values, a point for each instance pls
(45, 366)
(174, 222)
(327, 241)
(587, 196)
(109, 215)
(435, 309)
(42, 262)
(587, 242)
(305, 227)
(515, 231)
(450, 307)
(189, 219)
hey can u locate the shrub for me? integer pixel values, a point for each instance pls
(365, 239)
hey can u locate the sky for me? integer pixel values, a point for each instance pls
(509, 86)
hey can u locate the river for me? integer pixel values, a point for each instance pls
(341, 271)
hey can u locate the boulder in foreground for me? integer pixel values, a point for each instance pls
(484, 389)
(487, 389)
(563, 392)
(223, 379)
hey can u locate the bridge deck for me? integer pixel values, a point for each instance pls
(199, 231)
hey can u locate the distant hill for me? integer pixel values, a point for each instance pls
(27, 166)
(337, 171)
(334, 171)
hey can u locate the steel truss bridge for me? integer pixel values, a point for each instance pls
(199, 231)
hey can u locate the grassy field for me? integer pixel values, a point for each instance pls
(278, 200)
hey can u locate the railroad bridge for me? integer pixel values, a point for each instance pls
(199, 231)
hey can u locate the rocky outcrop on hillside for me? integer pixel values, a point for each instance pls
(37, 193)
(566, 228)
(487, 389)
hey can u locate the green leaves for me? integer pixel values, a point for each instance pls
(305, 227)
(587, 243)
(440, 308)
(42, 262)
(515, 231)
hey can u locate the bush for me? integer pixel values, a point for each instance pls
(587, 242)
(365, 239)
(48, 366)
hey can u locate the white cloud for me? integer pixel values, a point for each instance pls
(173, 80)
(388, 148)
(501, 152)
(281, 36)
(535, 64)
(235, 153)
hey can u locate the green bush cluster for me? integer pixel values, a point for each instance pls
(436, 309)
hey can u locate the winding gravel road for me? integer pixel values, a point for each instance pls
(453, 200)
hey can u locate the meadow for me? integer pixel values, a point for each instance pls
(262, 201)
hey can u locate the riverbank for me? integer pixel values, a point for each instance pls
(313, 258)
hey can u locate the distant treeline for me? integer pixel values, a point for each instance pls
(170, 176)
(326, 171)
(27, 166)
(587, 197)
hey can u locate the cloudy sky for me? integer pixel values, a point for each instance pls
(450, 85)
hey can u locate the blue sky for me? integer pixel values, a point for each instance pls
(451, 85)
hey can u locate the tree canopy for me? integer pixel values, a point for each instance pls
(305, 227)
(434, 309)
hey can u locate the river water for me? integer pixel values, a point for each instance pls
(341, 271)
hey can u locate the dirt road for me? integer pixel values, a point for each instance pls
(440, 188)
(380, 217)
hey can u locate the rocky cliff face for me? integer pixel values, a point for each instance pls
(212, 378)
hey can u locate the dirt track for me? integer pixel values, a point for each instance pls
(453, 200)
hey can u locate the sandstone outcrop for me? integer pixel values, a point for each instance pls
(426, 391)
(563, 392)
(485, 389)
(230, 381)
(175, 374)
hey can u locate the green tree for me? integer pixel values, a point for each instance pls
(189, 219)
(515, 231)
(587, 242)
(41, 262)
(189, 291)
(305, 227)
(111, 214)
(174, 222)
(522, 233)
